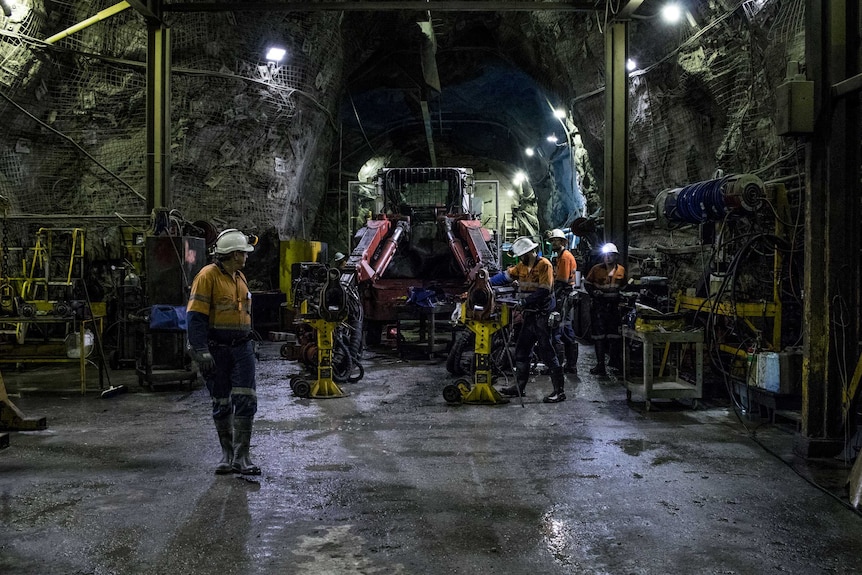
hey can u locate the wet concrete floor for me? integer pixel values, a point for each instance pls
(393, 480)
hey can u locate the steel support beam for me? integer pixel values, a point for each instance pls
(832, 240)
(616, 152)
(395, 5)
(158, 116)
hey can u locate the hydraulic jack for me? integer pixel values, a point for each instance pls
(324, 387)
(324, 316)
(477, 316)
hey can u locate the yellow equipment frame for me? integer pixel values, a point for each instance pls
(482, 392)
(747, 310)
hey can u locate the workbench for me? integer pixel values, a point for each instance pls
(426, 330)
(48, 349)
(673, 345)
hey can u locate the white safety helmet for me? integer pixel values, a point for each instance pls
(610, 248)
(339, 257)
(522, 245)
(232, 240)
(557, 234)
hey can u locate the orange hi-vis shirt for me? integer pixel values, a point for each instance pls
(565, 267)
(224, 298)
(529, 280)
(601, 276)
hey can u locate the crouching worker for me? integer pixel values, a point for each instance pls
(535, 277)
(220, 339)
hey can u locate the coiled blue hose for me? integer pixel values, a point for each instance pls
(700, 202)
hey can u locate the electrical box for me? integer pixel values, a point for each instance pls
(794, 102)
(778, 372)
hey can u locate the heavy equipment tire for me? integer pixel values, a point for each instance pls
(460, 358)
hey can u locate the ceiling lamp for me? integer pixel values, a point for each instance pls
(671, 13)
(275, 54)
(530, 152)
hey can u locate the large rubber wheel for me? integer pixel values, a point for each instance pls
(451, 393)
(301, 388)
(285, 351)
(460, 358)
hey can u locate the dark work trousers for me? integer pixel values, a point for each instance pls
(535, 332)
(232, 383)
(605, 317)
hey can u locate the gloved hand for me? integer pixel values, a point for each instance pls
(205, 360)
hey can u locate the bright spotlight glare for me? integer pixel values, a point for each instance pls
(559, 113)
(552, 138)
(275, 54)
(631, 65)
(671, 13)
(510, 193)
(519, 178)
(529, 152)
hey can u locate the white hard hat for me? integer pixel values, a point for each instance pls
(338, 257)
(232, 240)
(522, 245)
(556, 233)
(610, 248)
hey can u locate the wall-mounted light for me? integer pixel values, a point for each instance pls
(275, 54)
(552, 138)
(519, 178)
(671, 13)
(631, 65)
(530, 152)
(559, 113)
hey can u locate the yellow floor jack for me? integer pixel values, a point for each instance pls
(331, 310)
(477, 315)
(324, 386)
(11, 418)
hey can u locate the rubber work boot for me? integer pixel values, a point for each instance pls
(242, 441)
(522, 374)
(599, 369)
(571, 358)
(560, 351)
(615, 354)
(559, 382)
(224, 427)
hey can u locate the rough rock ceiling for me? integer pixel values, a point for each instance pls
(486, 106)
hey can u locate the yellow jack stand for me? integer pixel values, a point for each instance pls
(11, 418)
(481, 392)
(324, 387)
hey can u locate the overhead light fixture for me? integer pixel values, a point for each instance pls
(631, 65)
(552, 138)
(510, 193)
(530, 152)
(559, 113)
(275, 54)
(671, 13)
(519, 178)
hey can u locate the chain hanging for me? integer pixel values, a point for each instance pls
(7, 294)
